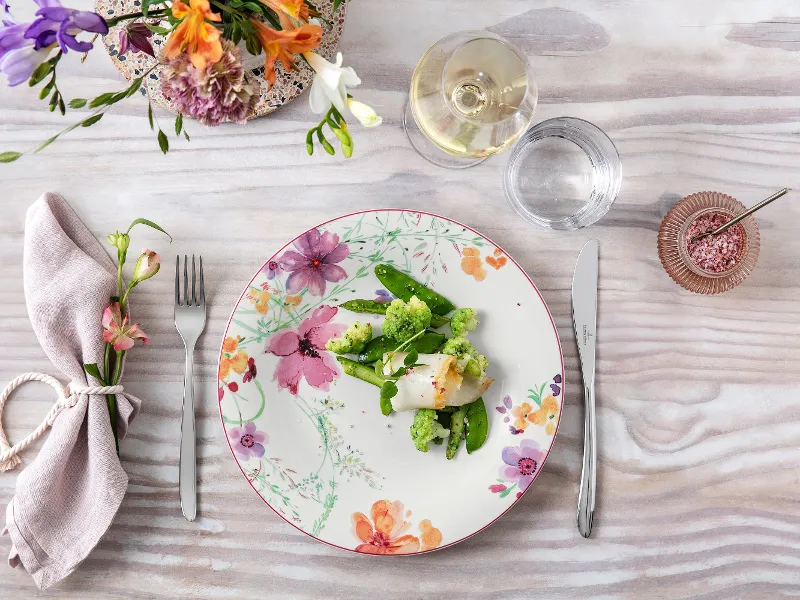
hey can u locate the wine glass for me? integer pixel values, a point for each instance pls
(472, 95)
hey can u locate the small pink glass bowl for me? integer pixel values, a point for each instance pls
(672, 244)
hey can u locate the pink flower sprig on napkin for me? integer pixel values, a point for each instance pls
(119, 334)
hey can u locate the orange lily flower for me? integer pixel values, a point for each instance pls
(297, 9)
(199, 38)
(282, 45)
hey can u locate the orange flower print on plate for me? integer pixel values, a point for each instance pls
(497, 260)
(260, 300)
(292, 302)
(546, 415)
(386, 532)
(521, 415)
(232, 359)
(471, 263)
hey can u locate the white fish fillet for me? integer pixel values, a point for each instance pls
(435, 385)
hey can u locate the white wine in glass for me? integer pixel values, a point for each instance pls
(472, 95)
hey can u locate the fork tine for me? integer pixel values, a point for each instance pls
(194, 282)
(177, 280)
(202, 287)
(186, 298)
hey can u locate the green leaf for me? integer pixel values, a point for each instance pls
(46, 143)
(273, 19)
(101, 99)
(132, 88)
(53, 101)
(61, 108)
(178, 124)
(411, 357)
(93, 370)
(399, 372)
(42, 71)
(150, 115)
(163, 142)
(7, 157)
(388, 389)
(336, 4)
(149, 223)
(146, 4)
(157, 29)
(92, 120)
(236, 32)
(186, 135)
(77, 103)
(255, 7)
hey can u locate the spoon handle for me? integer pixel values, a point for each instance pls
(750, 211)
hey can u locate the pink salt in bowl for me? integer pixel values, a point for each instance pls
(714, 264)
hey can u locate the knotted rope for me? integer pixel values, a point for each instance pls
(67, 398)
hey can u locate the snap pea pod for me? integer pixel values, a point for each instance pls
(359, 371)
(403, 286)
(477, 425)
(457, 426)
(379, 308)
(428, 343)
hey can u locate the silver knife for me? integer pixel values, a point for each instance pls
(584, 318)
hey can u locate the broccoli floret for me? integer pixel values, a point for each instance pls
(463, 321)
(469, 361)
(353, 341)
(426, 428)
(405, 320)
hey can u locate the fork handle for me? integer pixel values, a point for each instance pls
(187, 477)
(586, 493)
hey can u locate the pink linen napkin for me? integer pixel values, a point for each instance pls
(67, 497)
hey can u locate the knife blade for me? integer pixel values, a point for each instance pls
(584, 319)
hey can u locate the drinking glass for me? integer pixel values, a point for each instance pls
(472, 95)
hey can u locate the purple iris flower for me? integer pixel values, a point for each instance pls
(18, 55)
(59, 24)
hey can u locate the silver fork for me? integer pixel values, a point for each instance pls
(190, 320)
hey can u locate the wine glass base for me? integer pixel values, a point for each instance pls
(430, 151)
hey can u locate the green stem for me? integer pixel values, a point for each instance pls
(111, 399)
(227, 9)
(152, 15)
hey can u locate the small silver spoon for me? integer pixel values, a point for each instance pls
(738, 218)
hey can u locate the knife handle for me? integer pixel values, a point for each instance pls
(589, 472)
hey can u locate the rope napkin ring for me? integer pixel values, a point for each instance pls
(67, 398)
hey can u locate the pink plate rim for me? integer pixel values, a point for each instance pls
(552, 323)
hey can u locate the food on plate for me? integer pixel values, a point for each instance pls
(426, 428)
(404, 320)
(463, 321)
(442, 378)
(353, 340)
(379, 308)
(404, 287)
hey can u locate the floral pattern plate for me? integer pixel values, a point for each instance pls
(287, 85)
(312, 441)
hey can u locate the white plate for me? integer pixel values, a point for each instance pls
(323, 456)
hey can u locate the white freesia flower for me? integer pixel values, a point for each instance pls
(330, 82)
(364, 113)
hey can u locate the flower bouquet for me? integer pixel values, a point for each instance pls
(196, 51)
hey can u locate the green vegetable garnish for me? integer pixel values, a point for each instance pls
(405, 287)
(406, 320)
(426, 428)
(463, 321)
(354, 340)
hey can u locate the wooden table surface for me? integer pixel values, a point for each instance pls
(698, 404)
